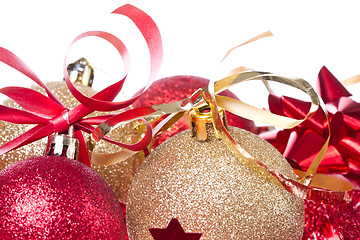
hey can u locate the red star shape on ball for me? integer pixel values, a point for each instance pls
(173, 231)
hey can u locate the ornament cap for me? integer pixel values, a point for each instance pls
(81, 71)
(63, 145)
(202, 122)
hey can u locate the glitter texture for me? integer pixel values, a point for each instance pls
(118, 175)
(326, 221)
(52, 197)
(210, 192)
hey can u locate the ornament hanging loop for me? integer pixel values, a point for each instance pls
(81, 71)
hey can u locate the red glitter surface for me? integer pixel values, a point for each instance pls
(333, 221)
(52, 197)
(176, 88)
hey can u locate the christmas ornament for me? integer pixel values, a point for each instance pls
(209, 191)
(342, 158)
(49, 115)
(55, 197)
(118, 175)
(175, 88)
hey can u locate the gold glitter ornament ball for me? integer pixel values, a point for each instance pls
(118, 175)
(210, 192)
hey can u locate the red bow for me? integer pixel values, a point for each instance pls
(51, 116)
(301, 144)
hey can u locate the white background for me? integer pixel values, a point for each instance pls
(196, 35)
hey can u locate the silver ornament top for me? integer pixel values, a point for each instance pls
(63, 145)
(81, 71)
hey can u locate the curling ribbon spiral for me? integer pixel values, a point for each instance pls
(51, 116)
(208, 94)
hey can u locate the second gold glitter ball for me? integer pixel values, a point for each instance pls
(209, 191)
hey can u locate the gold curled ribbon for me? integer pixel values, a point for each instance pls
(209, 94)
(256, 114)
(177, 109)
(235, 106)
(260, 36)
(250, 112)
(351, 80)
(253, 113)
(338, 194)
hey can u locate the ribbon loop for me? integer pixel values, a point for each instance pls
(49, 113)
(151, 34)
(13, 61)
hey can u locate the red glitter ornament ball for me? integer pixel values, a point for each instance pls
(54, 197)
(176, 88)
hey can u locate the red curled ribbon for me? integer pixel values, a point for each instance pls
(51, 116)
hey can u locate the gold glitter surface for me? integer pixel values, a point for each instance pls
(118, 175)
(210, 192)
